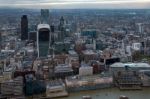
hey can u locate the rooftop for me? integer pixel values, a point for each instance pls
(72, 52)
(40, 26)
(130, 65)
(92, 78)
(55, 83)
(63, 68)
(88, 52)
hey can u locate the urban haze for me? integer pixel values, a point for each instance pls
(74, 49)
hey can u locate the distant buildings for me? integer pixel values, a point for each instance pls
(140, 28)
(24, 27)
(89, 32)
(81, 52)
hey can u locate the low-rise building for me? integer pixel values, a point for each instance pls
(145, 77)
(63, 70)
(92, 82)
(131, 66)
(85, 70)
(89, 55)
(56, 88)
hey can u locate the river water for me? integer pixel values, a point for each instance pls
(112, 93)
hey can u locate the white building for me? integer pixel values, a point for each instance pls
(136, 46)
(128, 50)
(131, 66)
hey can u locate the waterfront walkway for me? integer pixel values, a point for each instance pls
(111, 93)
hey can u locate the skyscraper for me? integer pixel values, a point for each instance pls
(44, 16)
(43, 40)
(62, 28)
(140, 28)
(62, 21)
(52, 35)
(24, 27)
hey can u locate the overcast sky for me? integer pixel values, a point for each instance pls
(115, 4)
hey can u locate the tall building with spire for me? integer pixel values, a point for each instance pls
(62, 28)
(24, 27)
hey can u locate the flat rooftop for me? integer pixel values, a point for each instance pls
(63, 68)
(134, 65)
(88, 52)
(72, 52)
(55, 83)
(91, 78)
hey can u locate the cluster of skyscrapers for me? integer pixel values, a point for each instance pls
(45, 32)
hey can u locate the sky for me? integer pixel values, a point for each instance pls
(64, 4)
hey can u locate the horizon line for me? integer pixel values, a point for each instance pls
(115, 4)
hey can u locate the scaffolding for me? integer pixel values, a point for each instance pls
(127, 80)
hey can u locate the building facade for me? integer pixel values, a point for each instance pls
(43, 40)
(44, 16)
(24, 27)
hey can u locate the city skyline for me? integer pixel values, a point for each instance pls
(69, 4)
(74, 53)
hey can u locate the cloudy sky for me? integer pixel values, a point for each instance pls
(115, 4)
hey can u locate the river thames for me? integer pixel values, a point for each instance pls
(112, 93)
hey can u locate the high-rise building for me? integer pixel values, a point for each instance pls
(45, 16)
(62, 28)
(52, 35)
(43, 40)
(32, 35)
(62, 21)
(52, 28)
(24, 27)
(140, 28)
(52, 41)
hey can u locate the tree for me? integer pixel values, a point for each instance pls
(136, 56)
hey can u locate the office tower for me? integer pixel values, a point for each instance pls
(52, 40)
(32, 35)
(89, 32)
(44, 16)
(62, 28)
(94, 44)
(52, 35)
(140, 28)
(43, 40)
(24, 27)
(52, 28)
(32, 32)
(62, 21)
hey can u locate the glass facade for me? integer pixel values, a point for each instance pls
(44, 35)
(44, 16)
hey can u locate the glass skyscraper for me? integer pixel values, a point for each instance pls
(24, 27)
(43, 40)
(45, 16)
